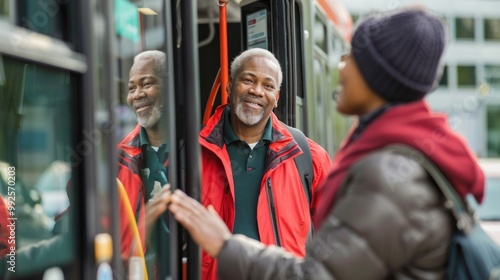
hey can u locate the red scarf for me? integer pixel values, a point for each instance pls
(412, 124)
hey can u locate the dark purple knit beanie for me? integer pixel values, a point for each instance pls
(398, 53)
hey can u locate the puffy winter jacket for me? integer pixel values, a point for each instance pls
(283, 213)
(380, 215)
(376, 230)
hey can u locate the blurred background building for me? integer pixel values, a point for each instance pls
(469, 90)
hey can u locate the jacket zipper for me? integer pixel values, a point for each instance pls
(274, 221)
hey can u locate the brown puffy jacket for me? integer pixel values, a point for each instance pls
(386, 224)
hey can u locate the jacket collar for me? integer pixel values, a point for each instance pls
(281, 148)
(230, 135)
(213, 132)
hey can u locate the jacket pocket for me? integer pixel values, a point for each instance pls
(272, 210)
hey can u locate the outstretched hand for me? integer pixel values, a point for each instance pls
(156, 206)
(206, 228)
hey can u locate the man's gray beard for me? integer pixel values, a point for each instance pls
(245, 118)
(153, 118)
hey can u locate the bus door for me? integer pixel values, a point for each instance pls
(277, 27)
(64, 70)
(170, 27)
(55, 139)
(187, 94)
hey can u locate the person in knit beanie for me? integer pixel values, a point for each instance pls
(397, 55)
(380, 214)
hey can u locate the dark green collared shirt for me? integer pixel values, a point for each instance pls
(154, 173)
(248, 168)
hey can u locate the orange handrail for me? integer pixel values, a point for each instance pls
(211, 99)
(223, 52)
(223, 75)
(133, 224)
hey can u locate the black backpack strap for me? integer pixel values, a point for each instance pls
(305, 168)
(303, 161)
(459, 207)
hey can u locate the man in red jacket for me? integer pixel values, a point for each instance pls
(143, 153)
(249, 173)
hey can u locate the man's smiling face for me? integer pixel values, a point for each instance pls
(254, 91)
(144, 97)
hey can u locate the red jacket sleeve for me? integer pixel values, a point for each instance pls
(4, 232)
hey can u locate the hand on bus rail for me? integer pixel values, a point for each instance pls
(206, 228)
(156, 206)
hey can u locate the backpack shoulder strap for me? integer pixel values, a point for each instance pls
(459, 207)
(303, 161)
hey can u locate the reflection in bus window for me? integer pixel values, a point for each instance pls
(142, 162)
(143, 158)
(35, 137)
(46, 17)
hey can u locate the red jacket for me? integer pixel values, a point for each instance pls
(5, 232)
(129, 167)
(281, 181)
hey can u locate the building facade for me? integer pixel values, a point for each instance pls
(469, 90)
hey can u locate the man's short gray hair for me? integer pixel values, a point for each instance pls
(251, 53)
(159, 59)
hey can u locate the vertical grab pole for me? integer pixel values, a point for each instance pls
(108, 139)
(224, 69)
(191, 87)
(174, 242)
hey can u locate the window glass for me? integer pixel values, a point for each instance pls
(45, 17)
(320, 34)
(493, 127)
(299, 31)
(4, 9)
(444, 77)
(143, 165)
(464, 28)
(492, 29)
(492, 75)
(466, 75)
(36, 118)
(320, 84)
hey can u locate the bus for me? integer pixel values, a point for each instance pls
(63, 82)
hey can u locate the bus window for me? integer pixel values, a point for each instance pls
(339, 124)
(320, 35)
(144, 161)
(36, 113)
(46, 17)
(318, 106)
